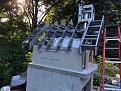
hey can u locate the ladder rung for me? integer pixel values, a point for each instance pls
(95, 26)
(96, 32)
(112, 39)
(110, 85)
(117, 62)
(112, 58)
(92, 35)
(89, 45)
(90, 38)
(113, 89)
(115, 78)
(110, 68)
(111, 48)
(87, 11)
(111, 25)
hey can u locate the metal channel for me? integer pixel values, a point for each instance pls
(39, 34)
(37, 29)
(29, 39)
(48, 35)
(58, 33)
(67, 34)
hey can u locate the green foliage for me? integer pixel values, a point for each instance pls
(68, 9)
(6, 73)
(13, 59)
(98, 61)
(64, 10)
(109, 8)
(43, 35)
(29, 56)
(108, 72)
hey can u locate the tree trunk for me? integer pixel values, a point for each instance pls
(35, 14)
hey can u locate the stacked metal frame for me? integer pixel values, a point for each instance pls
(61, 35)
(85, 35)
(31, 40)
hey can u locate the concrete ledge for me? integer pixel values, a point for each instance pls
(86, 73)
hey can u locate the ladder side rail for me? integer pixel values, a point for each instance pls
(85, 32)
(119, 46)
(119, 50)
(101, 27)
(103, 63)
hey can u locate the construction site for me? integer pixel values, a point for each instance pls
(63, 54)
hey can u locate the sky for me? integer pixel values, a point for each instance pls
(40, 12)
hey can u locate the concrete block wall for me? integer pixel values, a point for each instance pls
(60, 71)
(40, 78)
(62, 59)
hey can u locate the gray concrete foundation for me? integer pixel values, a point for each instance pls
(59, 71)
(41, 78)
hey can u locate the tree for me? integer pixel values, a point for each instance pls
(109, 8)
(68, 9)
(31, 9)
(13, 60)
(65, 9)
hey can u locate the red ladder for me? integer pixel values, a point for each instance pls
(105, 49)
